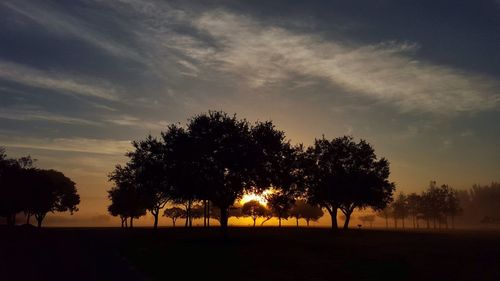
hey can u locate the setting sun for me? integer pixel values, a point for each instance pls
(254, 196)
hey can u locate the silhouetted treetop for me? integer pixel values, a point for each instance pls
(344, 174)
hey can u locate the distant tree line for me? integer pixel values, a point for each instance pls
(436, 207)
(440, 206)
(481, 203)
(32, 191)
(206, 166)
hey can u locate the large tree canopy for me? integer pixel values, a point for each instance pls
(54, 192)
(218, 157)
(149, 167)
(344, 174)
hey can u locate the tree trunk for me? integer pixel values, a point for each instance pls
(155, 215)
(254, 220)
(297, 218)
(204, 213)
(223, 218)
(173, 222)
(188, 214)
(39, 218)
(279, 221)
(333, 215)
(386, 222)
(131, 222)
(208, 213)
(347, 219)
(28, 217)
(307, 221)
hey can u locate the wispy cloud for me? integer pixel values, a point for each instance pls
(57, 81)
(39, 115)
(384, 72)
(131, 121)
(64, 24)
(262, 55)
(84, 145)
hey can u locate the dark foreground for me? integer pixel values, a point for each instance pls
(246, 254)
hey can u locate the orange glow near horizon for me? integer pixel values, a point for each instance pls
(254, 196)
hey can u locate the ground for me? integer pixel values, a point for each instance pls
(247, 254)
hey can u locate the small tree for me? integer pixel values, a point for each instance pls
(280, 204)
(305, 211)
(54, 193)
(400, 208)
(234, 211)
(174, 213)
(453, 207)
(413, 202)
(254, 210)
(126, 200)
(386, 213)
(197, 212)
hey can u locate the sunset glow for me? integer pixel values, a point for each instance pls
(254, 196)
(425, 98)
(249, 140)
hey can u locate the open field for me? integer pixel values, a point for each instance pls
(247, 254)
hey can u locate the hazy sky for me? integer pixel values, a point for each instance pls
(420, 80)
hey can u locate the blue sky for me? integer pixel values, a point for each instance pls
(417, 79)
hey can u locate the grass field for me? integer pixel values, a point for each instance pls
(247, 254)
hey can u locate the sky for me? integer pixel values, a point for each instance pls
(419, 80)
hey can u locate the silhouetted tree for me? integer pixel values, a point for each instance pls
(413, 202)
(386, 213)
(184, 169)
(54, 193)
(453, 207)
(302, 210)
(16, 181)
(224, 156)
(280, 204)
(126, 199)
(24, 188)
(254, 210)
(149, 165)
(480, 203)
(437, 203)
(234, 211)
(197, 212)
(174, 213)
(280, 167)
(342, 174)
(400, 209)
